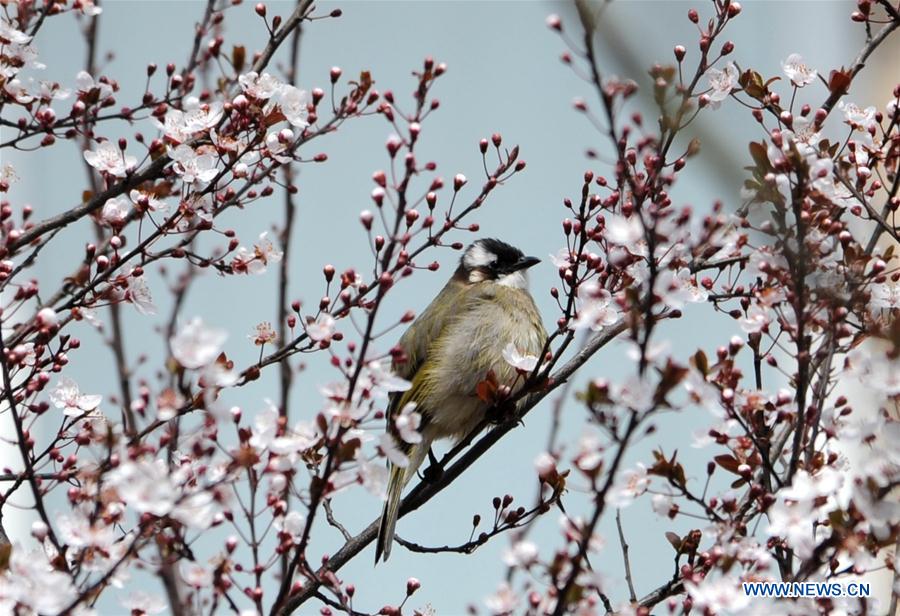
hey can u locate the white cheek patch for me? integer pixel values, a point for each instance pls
(478, 256)
(516, 280)
(476, 276)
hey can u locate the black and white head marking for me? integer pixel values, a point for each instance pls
(491, 259)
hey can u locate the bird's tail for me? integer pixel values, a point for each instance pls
(389, 514)
(396, 481)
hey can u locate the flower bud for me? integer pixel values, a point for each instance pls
(365, 217)
(46, 317)
(412, 585)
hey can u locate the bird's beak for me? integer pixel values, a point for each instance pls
(525, 263)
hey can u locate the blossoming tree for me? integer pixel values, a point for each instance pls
(804, 265)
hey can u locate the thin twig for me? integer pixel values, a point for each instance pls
(628, 578)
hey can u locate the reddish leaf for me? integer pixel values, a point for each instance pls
(675, 540)
(238, 57)
(839, 81)
(728, 462)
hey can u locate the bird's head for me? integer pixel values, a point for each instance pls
(491, 259)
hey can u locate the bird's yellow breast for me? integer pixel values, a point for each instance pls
(487, 317)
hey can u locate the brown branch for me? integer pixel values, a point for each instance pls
(859, 62)
(290, 209)
(631, 594)
(153, 171)
(293, 21)
(200, 31)
(501, 526)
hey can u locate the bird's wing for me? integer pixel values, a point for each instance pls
(433, 331)
(416, 340)
(419, 337)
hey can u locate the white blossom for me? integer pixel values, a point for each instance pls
(294, 105)
(108, 158)
(18, 91)
(259, 86)
(628, 486)
(203, 117)
(383, 381)
(518, 360)
(521, 554)
(265, 427)
(66, 395)
(195, 575)
(722, 595)
(8, 34)
(797, 71)
(144, 603)
(885, 295)
(47, 317)
(562, 259)
(291, 524)
(115, 211)
(663, 505)
(138, 293)
(596, 308)
(407, 423)
(193, 166)
(144, 485)
(256, 261)
(148, 200)
(503, 602)
(590, 452)
(278, 142)
(374, 477)
(85, 84)
(196, 345)
(623, 230)
(322, 328)
(858, 118)
(388, 446)
(721, 83)
(31, 581)
(757, 318)
(677, 287)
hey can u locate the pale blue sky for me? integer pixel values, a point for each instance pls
(504, 76)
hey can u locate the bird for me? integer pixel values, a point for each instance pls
(454, 345)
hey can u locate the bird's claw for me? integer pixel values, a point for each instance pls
(435, 470)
